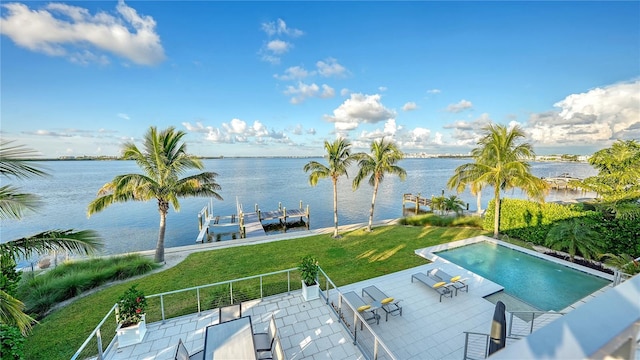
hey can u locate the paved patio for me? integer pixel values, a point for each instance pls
(427, 328)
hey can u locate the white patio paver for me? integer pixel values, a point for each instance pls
(307, 330)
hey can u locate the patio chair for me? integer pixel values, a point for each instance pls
(231, 312)
(183, 354)
(456, 281)
(264, 340)
(438, 286)
(389, 304)
(276, 353)
(368, 312)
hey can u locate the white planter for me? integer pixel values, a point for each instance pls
(310, 292)
(131, 334)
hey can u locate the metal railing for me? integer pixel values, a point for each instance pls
(528, 321)
(203, 297)
(196, 299)
(361, 332)
(476, 345)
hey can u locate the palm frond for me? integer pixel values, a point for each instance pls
(14, 204)
(11, 313)
(83, 242)
(14, 163)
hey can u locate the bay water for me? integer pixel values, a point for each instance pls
(267, 182)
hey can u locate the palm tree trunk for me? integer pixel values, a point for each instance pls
(373, 203)
(163, 208)
(479, 201)
(496, 220)
(335, 207)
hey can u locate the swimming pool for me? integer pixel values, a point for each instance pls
(538, 282)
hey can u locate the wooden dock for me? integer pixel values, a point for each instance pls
(416, 201)
(562, 182)
(248, 224)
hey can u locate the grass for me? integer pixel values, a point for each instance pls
(440, 220)
(357, 256)
(40, 293)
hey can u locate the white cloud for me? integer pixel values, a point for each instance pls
(409, 106)
(434, 91)
(66, 30)
(466, 133)
(382, 88)
(345, 92)
(124, 116)
(293, 73)
(330, 67)
(278, 47)
(597, 116)
(303, 91)
(280, 28)
(460, 106)
(239, 131)
(359, 108)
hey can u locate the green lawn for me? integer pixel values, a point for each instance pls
(357, 256)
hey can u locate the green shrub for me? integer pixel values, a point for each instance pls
(40, 293)
(11, 343)
(528, 220)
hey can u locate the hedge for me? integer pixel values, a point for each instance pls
(530, 221)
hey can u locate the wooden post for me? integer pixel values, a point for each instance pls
(417, 204)
(308, 218)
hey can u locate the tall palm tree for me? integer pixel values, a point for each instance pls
(13, 205)
(339, 157)
(382, 160)
(500, 162)
(163, 159)
(575, 236)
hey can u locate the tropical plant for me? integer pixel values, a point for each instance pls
(339, 158)
(575, 236)
(382, 160)
(623, 262)
(309, 270)
(437, 204)
(500, 162)
(454, 203)
(618, 179)
(132, 306)
(163, 159)
(13, 205)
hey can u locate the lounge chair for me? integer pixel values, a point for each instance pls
(456, 281)
(388, 304)
(264, 340)
(438, 286)
(369, 313)
(183, 354)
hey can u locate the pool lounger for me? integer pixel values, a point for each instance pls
(456, 281)
(439, 286)
(368, 312)
(389, 304)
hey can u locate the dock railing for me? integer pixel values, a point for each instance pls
(197, 299)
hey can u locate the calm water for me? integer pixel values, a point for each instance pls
(543, 284)
(266, 181)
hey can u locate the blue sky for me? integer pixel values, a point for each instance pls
(280, 78)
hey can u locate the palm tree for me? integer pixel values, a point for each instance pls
(574, 236)
(437, 203)
(382, 160)
(13, 205)
(454, 203)
(618, 179)
(500, 161)
(163, 159)
(339, 157)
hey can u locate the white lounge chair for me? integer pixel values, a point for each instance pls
(438, 286)
(388, 304)
(456, 281)
(369, 313)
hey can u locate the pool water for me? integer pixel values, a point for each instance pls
(538, 282)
